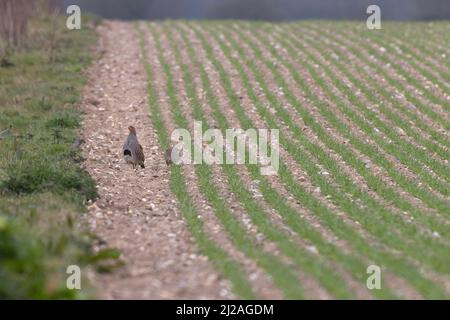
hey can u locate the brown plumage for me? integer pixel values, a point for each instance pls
(132, 150)
(168, 156)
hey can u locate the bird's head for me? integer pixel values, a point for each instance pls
(132, 129)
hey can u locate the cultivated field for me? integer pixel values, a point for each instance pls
(364, 178)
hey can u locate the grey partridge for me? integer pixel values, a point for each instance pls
(132, 150)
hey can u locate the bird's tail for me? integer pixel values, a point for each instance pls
(142, 166)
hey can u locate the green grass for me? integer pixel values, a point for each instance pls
(281, 275)
(388, 96)
(433, 49)
(42, 186)
(403, 245)
(396, 83)
(375, 38)
(373, 181)
(223, 262)
(415, 190)
(381, 97)
(369, 150)
(348, 206)
(256, 213)
(296, 130)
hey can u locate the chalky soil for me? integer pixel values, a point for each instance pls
(136, 211)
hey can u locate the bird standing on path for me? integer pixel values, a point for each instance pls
(168, 156)
(132, 150)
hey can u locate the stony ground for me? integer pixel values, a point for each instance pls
(136, 211)
(364, 177)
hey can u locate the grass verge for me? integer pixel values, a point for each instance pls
(42, 186)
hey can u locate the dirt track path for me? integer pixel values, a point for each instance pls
(136, 212)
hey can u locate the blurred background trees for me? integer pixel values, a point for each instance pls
(14, 16)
